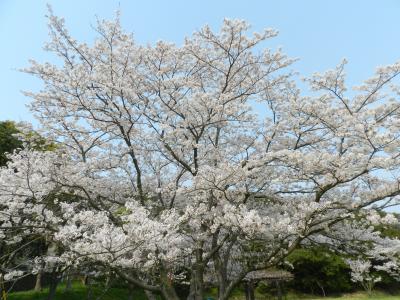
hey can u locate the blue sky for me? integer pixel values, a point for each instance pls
(320, 33)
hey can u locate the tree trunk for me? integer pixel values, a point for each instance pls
(198, 283)
(169, 293)
(3, 291)
(250, 290)
(89, 294)
(278, 289)
(68, 283)
(54, 280)
(38, 283)
(55, 276)
(220, 271)
(197, 274)
(167, 288)
(130, 295)
(321, 287)
(246, 291)
(108, 280)
(52, 291)
(150, 295)
(192, 288)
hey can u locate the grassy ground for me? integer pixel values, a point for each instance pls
(353, 296)
(80, 292)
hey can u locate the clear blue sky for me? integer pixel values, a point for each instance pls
(318, 32)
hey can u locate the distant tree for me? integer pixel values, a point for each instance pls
(362, 273)
(8, 141)
(15, 136)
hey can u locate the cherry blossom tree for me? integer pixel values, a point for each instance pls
(360, 272)
(202, 162)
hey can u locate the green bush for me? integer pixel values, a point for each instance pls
(319, 271)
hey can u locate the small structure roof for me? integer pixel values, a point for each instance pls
(272, 275)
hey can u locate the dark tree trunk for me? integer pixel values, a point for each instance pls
(250, 290)
(68, 284)
(167, 288)
(68, 281)
(197, 278)
(221, 272)
(54, 280)
(2, 288)
(169, 293)
(130, 295)
(192, 288)
(278, 289)
(322, 288)
(52, 291)
(89, 294)
(150, 295)
(198, 283)
(131, 289)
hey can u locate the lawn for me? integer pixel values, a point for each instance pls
(80, 292)
(353, 296)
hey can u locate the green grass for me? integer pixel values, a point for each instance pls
(79, 292)
(353, 296)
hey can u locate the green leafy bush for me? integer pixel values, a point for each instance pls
(319, 271)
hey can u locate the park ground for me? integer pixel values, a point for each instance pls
(80, 292)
